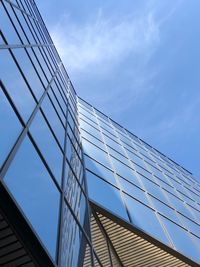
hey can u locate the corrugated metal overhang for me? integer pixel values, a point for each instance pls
(132, 247)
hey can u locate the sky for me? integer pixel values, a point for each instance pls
(138, 62)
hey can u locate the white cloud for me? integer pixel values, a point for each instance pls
(102, 43)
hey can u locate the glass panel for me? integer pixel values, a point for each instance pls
(165, 210)
(125, 171)
(73, 244)
(135, 158)
(113, 144)
(191, 226)
(153, 189)
(133, 190)
(178, 234)
(72, 157)
(9, 127)
(110, 198)
(29, 72)
(145, 218)
(95, 153)
(53, 119)
(178, 205)
(47, 145)
(100, 170)
(36, 194)
(16, 85)
(90, 129)
(93, 139)
(118, 155)
(7, 28)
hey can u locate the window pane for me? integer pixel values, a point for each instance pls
(72, 241)
(95, 153)
(38, 197)
(100, 170)
(125, 171)
(145, 218)
(90, 129)
(165, 210)
(178, 235)
(9, 127)
(47, 144)
(16, 85)
(133, 190)
(29, 72)
(110, 199)
(53, 119)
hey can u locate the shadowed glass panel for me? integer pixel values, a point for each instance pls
(36, 194)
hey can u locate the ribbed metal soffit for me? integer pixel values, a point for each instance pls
(131, 249)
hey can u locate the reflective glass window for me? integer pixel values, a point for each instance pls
(36, 194)
(135, 158)
(88, 120)
(10, 127)
(29, 72)
(145, 219)
(88, 114)
(113, 144)
(72, 241)
(125, 171)
(178, 234)
(47, 145)
(117, 155)
(16, 85)
(72, 157)
(191, 226)
(153, 189)
(110, 198)
(95, 153)
(178, 205)
(165, 210)
(90, 129)
(53, 119)
(7, 28)
(100, 170)
(93, 139)
(133, 190)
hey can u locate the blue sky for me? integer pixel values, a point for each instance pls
(138, 62)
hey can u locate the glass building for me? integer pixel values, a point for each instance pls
(76, 188)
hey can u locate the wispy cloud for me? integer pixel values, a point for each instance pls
(110, 55)
(102, 43)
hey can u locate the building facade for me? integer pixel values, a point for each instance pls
(76, 188)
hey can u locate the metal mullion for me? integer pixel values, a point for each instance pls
(43, 36)
(77, 221)
(60, 88)
(21, 46)
(56, 110)
(89, 212)
(43, 26)
(51, 130)
(24, 131)
(109, 242)
(13, 56)
(19, 8)
(146, 193)
(60, 230)
(64, 100)
(43, 39)
(63, 80)
(32, 29)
